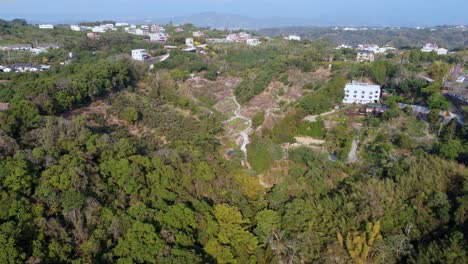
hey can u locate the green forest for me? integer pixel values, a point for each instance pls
(109, 160)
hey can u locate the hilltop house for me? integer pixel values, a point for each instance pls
(429, 47)
(76, 28)
(139, 54)
(253, 42)
(46, 26)
(160, 37)
(198, 34)
(189, 42)
(94, 35)
(365, 55)
(157, 29)
(361, 93)
(294, 37)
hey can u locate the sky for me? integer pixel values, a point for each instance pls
(320, 12)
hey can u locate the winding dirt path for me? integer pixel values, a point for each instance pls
(245, 133)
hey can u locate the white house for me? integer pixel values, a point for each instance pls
(198, 34)
(141, 31)
(121, 24)
(98, 29)
(139, 54)
(158, 37)
(253, 42)
(365, 55)
(189, 42)
(46, 26)
(294, 37)
(442, 51)
(343, 46)
(75, 28)
(429, 47)
(361, 93)
(38, 50)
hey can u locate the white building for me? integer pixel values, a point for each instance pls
(198, 34)
(158, 37)
(121, 24)
(442, 51)
(139, 54)
(361, 93)
(75, 28)
(141, 31)
(294, 37)
(343, 46)
(429, 47)
(189, 42)
(365, 55)
(98, 29)
(46, 26)
(253, 42)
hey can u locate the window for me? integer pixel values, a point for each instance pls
(355, 91)
(354, 96)
(362, 97)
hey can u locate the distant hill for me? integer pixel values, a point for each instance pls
(449, 37)
(232, 21)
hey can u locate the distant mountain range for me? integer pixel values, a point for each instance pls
(232, 21)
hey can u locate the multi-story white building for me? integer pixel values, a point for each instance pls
(139, 54)
(365, 55)
(121, 24)
(141, 31)
(158, 37)
(429, 47)
(46, 26)
(189, 42)
(361, 93)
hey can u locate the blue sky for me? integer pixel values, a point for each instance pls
(392, 12)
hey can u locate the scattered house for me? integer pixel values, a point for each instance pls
(160, 37)
(344, 46)
(121, 24)
(76, 28)
(18, 47)
(365, 55)
(141, 31)
(189, 42)
(94, 35)
(385, 49)
(179, 30)
(46, 26)
(375, 108)
(350, 29)
(139, 54)
(37, 51)
(429, 47)
(253, 42)
(369, 47)
(238, 37)
(361, 93)
(198, 34)
(157, 29)
(98, 29)
(4, 107)
(442, 51)
(7, 69)
(294, 37)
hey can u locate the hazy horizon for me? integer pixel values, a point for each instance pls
(333, 12)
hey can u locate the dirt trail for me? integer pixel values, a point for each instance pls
(245, 133)
(353, 157)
